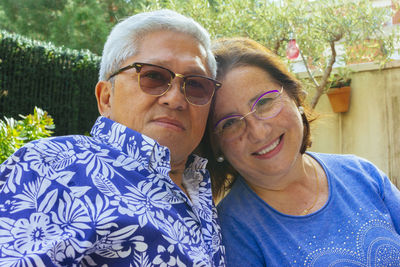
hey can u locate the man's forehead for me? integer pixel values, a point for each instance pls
(171, 54)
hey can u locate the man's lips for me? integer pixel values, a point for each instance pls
(169, 123)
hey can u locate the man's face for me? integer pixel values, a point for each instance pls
(169, 118)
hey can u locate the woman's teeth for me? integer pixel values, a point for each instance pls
(268, 149)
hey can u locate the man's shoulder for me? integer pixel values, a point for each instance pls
(58, 148)
(58, 139)
(67, 142)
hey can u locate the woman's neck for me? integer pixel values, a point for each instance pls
(303, 187)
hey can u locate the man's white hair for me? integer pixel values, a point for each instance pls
(125, 37)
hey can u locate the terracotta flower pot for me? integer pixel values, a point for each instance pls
(339, 98)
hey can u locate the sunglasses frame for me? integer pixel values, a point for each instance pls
(139, 65)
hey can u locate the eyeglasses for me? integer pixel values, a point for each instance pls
(156, 80)
(267, 106)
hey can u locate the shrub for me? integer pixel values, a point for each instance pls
(15, 133)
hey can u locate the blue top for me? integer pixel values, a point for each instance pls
(358, 226)
(106, 199)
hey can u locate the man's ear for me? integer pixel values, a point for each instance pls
(103, 93)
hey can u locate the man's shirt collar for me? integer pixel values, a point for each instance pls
(154, 156)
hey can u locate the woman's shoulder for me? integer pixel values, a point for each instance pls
(342, 160)
(350, 169)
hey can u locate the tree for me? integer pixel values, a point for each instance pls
(76, 24)
(327, 31)
(320, 27)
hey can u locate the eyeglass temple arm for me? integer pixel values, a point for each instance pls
(134, 65)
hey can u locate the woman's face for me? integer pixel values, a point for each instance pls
(268, 147)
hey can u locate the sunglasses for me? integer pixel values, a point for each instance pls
(156, 80)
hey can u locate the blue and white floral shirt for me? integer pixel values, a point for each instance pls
(105, 200)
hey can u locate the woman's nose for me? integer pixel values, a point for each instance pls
(257, 130)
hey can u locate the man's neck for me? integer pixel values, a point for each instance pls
(176, 176)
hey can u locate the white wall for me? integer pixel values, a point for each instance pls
(371, 127)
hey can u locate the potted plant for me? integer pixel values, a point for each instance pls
(339, 90)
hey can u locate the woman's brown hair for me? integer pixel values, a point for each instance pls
(236, 52)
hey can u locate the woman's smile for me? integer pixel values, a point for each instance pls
(270, 150)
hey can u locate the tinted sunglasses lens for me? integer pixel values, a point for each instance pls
(154, 80)
(199, 90)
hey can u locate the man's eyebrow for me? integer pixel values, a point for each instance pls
(193, 69)
(198, 71)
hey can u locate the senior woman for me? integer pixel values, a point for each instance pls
(286, 206)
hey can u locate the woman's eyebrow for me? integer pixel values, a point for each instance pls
(251, 101)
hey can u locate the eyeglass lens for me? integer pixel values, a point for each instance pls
(155, 80)
(267, 106)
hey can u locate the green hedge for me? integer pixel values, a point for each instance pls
(59, 80)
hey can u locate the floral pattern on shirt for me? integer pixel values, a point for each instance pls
(105, 200)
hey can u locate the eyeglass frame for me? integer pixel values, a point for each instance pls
(139, 65)
(243, 117)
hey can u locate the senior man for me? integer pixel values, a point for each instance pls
(132, 194)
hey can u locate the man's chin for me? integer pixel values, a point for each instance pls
(179, 151)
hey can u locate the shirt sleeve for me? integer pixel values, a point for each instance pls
(391, 197)
(388, 192)
(12, 171)
(26, 228)
(241, 247)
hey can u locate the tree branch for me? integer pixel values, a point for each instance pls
(320, 89)
(308, 70)
(276, 46)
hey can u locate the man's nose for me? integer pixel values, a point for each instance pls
(174, 98)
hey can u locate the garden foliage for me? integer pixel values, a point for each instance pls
(15, 133)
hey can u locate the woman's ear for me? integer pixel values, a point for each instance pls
(104, 93)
